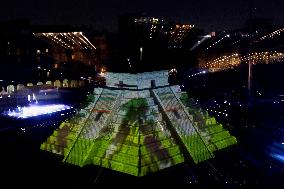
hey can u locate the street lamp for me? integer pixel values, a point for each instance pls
(141, 53)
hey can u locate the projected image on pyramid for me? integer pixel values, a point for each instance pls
(138, 124)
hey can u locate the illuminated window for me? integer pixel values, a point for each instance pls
(38, 51)
(46, 50)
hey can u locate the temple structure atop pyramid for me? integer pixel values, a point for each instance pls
(138, 124)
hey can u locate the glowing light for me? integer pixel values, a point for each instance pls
(277, 156)
(234, 60)
(216, 42)
(271, 35)
(103, 70)
(173, 71)
(68, 40)
(36, 110)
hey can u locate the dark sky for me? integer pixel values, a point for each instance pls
(206, 14)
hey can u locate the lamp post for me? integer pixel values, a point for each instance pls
(249, 82)
(250, 63)
(141, 53)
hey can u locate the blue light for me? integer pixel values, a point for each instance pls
(277, 156)
(276, 150)
(36, 110)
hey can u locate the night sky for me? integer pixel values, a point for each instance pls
(207, 14)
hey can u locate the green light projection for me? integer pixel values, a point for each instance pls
(213, 133)
(132, 131)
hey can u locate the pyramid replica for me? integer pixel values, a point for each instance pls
(138, 124)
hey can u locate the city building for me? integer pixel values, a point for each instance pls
(42, 52)
(149, 43)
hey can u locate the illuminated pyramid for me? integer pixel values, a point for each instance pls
(138, 124)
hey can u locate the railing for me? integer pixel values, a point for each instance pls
(106, 122)
(88, 128)
(184, 125)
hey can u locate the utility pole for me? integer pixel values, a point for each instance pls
(250, 63)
